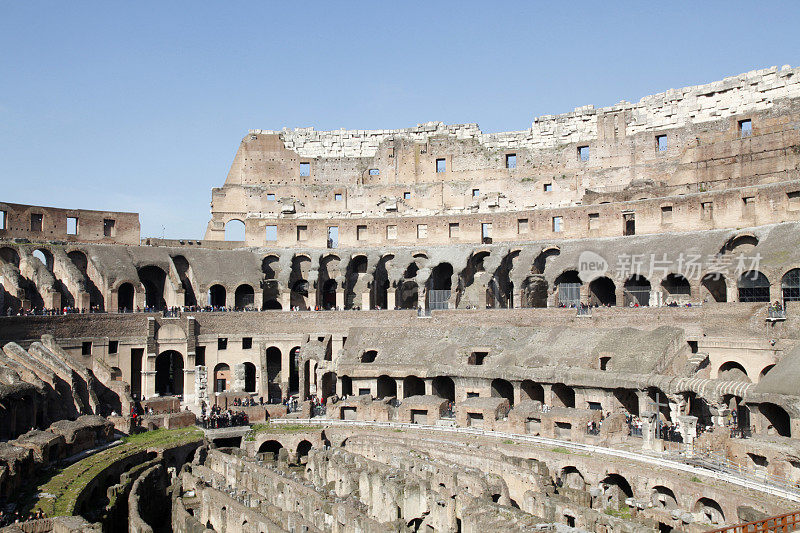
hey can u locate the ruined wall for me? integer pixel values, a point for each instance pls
(38, 223)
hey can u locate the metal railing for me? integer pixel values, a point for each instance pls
(720, 463)
(676, 461)
(776, 312)
(783, 523)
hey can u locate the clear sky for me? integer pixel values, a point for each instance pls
(140, 106)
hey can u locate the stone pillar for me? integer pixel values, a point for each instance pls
(258, 300)
(200, 385)
(149, 378)
(650, 440)
(390, 298)
(365, 301)
(238, 377)
(188, 383)
(619, 294)
(286, 299)
(401, 393)
(516, 299)
(429, 386)
(644, 401)
(548, 393)
(340, 298)
(687, 426)
(83, 301)
(517, 392)
(421, 293)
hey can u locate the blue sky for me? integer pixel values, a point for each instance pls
(140, 106)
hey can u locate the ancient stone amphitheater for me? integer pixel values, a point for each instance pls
(588, 325)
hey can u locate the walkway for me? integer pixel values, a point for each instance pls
(742, 481)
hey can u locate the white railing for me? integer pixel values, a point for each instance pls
(787, 492)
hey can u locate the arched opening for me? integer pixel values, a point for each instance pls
(572, 478)
(765, 371)
(732, 371)
(387, 387)
(663, 498)
(790, 286)
(328, 384)
(299, 295)
(234, 230)
(407, 295)
(185, 275)
(329, 294)
(753, 287)
(294, 370)
(532, 391)
(10, 256)
(413, 386)
(380, 284)
(440, 286)
(628, 400)
(153, 279)
(444, 387)
(740, 413)
(676, 286)
(269, 450)
(347, 386)
(540, 262)
(602, 291)
(116, 374)
(302, 451)
(637, 291)
(216, 296)
(746, 240)
(616, 489)
(778, 422)
(274, 363)
(710, 510)
(244, 297)
(81, 262)
(568, 288)
(44, 257)
(222, 376)
(309, 377)
(169, 373)
(249, 377)
(502, 388)
(714, 284)
(356, 271)
(564, 395)
(125, 298)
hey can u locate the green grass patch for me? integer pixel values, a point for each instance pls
(57, 493)
(696, 479)
(508, 441)
(622, 512)
(559, 449)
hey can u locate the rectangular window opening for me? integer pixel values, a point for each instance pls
(113, 347)
(629, 224)
(486, 232)
(36, 222)
(666, 214)
(476, 193)
(271, 233)
(594, 221)
(477, 358)
(391, 232)
(441, 165)
(72, 225)
(305, 169)
(707, 210)
(109, 227)
(247, 343)
(374, 172)
(583, 153)
(661, 143)
(270, 197)
(361, 233)
(745, 128)
(406, 195)
(200, 356)
(337, 197)
(455, 229)
(548, 187)
(511, 161)
(86, 348)
(333, 236)
(3, 220)
(302, 233)
(558, 224)
(748, 206)
(794, 200)
(222, 343)
(522, 226)
(422, 231)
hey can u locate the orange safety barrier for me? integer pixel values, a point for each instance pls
(784, 523)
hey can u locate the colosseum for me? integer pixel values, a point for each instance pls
(590, 325)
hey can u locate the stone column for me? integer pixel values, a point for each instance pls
(390, 298)
(548, 393)
(517, 392)
(286, 299)
(238, 377)
(340, 298)
(650, 440)
(687, 426)
(365, 301)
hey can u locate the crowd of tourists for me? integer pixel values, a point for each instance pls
(16, 517)
(46, 311)
(222, 418)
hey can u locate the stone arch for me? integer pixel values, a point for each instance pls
(347, 386)
(572, 478)
(533, 391)
(413, 386)
(753, 287)
(45, 257)
(628, 399)
(567, 286)
(616, 488)
(184, 270)
(222, 377)
(637, 291)
(564, 394)
(738, 240)
(440, 286)
(125, 297)
(116, 373)
(663, 498)
(407, 295)
(169, 373)
(369, 356)
(270, 449)
(356, 271)
(766, 370)
(676, 286)
(502, 388)
(715, 285)
(444, 387)
(154, 279)
(294, 370)
(380, 283)
(249, 377)
(709, 510)
(217, 295)
(790, 286)
(235, 230)
(244, 297)
(386, 387)
(602, 291)
(10, 256)
(540, 263)
(328, 384)
(778, 421)
(303, 447)
(732, 371)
